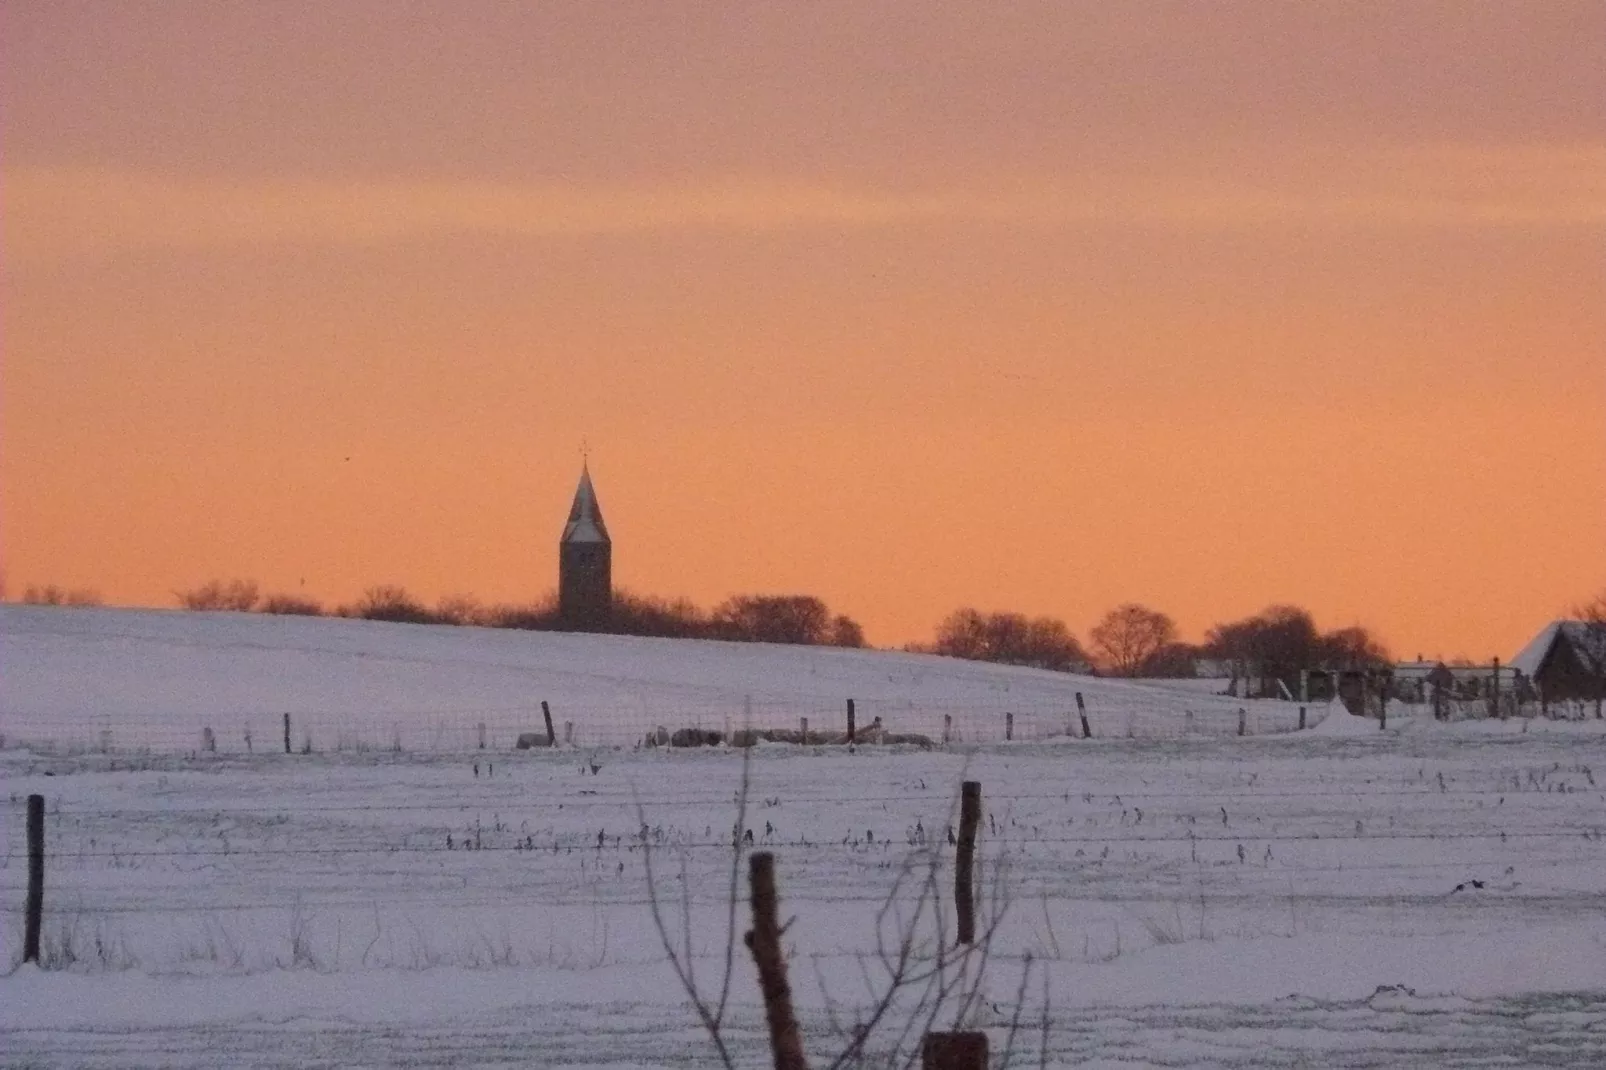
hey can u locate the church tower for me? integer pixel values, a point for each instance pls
(585, 563)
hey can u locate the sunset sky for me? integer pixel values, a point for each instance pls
(1030, 306)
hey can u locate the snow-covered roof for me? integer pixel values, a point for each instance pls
(1589, 643)
(585, 515)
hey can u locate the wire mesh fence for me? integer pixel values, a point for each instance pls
(823, 721)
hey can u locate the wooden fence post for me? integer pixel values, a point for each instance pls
(35, 907)
(764, 939)
(1009, 727)
(481, 728)
(965, 860)
(1081, 710)
(850, 720)
(1243, 721)
(1302, 718)
(803, 730)
(287, 733)
(947, 728)
(954, 1051)
(551, 735)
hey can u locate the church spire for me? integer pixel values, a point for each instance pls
(585, 562)
(585, 515)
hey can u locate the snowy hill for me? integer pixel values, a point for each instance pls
(156, 678)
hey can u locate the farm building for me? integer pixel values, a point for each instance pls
(1567, 662)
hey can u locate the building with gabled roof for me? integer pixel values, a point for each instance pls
(1566, 661)
(585, 562)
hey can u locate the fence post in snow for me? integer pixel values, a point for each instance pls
(850, 720)
(1081, 709)
(208, 741)
(36, 878)
(551, 736)
(568, 732)
(803, 730)
(786, 1038)
(287, 733)
(1302, 718)
(481, 727)
(965, 860)
(1009, 727)
(1243, 721)
(947, 728)
(954, 1051)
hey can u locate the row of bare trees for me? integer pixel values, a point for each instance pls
(1134, 640)
(797, 619)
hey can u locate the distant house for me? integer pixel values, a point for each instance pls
(1431, 682)
(1566, 662)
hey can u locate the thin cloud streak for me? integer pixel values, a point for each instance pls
(54, 212)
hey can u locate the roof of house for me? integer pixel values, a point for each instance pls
(585, 515)
(1587, 641)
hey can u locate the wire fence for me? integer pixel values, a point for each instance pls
(814, 722)
(473, 859)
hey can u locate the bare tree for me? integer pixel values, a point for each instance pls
(1279, 641)
(916, 977)
(1130, 636)
(1591, 645)
(845, 631)
(764, 618)
(1009, 639)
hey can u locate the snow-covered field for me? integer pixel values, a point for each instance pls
(148, 678)
(1431, 895)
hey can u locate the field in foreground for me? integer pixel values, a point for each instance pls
(1314, 899)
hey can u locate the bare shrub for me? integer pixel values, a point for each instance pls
(540, 615)
(917, 978)
(52, 595)
(459, 609)
(236, 596)
(389, 602)
(290, 605)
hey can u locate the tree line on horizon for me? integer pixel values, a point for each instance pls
(1131, 640)
(793, 619)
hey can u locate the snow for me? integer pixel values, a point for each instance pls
(1429, 894)
(155, 678)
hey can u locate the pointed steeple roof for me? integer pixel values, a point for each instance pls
(585, 515)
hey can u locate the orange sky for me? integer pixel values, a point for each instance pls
(1039, 306)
